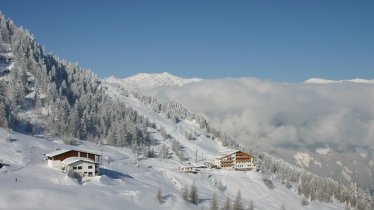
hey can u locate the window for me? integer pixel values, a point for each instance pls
(89, 167)
(79, 167)
(74, 168)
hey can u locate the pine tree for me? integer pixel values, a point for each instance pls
(251, 205)
(185, 193)
(134, 147)
(213, 203)
(227, 204)
(238, 205)
(163, 132)
(159, 196)
(221, 186)
(304, 202)
(194, 197)
(164, 151)
(188, 135)
(283, 207)
(4, 30)
(347, 207)
(1, 19)
(3, 118)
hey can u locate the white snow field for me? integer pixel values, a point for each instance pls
(123, 184)
(144, 81)
(26, 182)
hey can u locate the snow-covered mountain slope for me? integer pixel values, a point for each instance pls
(125, 184)
(327, 81)
(142, 81)
(203, 144)
(291, 119)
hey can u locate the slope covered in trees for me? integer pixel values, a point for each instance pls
(68, 100)
(177, 112)
(314, 187)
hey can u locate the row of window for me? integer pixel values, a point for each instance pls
(80, 167)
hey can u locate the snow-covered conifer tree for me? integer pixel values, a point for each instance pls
(238, 205)
(194, 196)
(213, 203)
(227, 204)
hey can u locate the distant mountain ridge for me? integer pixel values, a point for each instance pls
(144, 81)
(327, 81)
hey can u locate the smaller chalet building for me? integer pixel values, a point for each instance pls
(188, 169)
(70, 160)
(82, 166)
(237, 160)
(210, 165)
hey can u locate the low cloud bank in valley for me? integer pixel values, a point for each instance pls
(263, 112)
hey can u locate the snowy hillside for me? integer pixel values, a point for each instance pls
(297, 122)
(143, 82)
(124, 183)
(327, 81)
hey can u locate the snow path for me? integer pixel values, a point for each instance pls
(173, 180)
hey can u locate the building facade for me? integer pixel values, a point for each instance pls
(237, 160)
(81, 166)
(81, 162)
(188, 169)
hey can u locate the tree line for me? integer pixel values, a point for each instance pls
(70, 101)
(314, 187)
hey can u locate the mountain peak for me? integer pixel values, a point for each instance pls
(146, 81)
(165, 73)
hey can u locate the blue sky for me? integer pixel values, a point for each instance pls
(287, 41)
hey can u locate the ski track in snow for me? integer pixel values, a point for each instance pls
(173, 180)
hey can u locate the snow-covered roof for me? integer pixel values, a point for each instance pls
(220, 155)
(57, 152)
(62, 151)
(227, 154)
(71, 160)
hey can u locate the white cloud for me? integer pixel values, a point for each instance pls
(268, 113)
